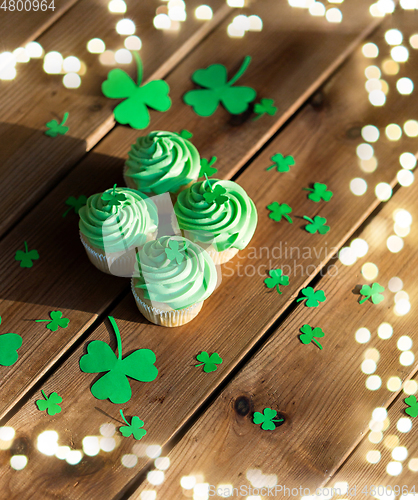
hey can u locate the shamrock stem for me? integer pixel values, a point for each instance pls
(65, 118)
(308, 189)
(117, 334)
(199, 365)
(364, 300)
(288, 218)
(43, 394)
(212, 161)
(241, 71)
(308, 218)
(40, 320)
(281, 420)
(317, 343)
(273, 166)
(26, 247)
(66, 212)
(302, 298)
(210, 187)
(124, 419)
(259, 116)
(139, 66)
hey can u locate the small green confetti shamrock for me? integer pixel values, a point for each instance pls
(218, 90)
(412, 402)
(173, 253)
(314, 298)
(280, 210)
(216, 195)
(26, 257)
(55, 128)
(374, 292)
(112, 197)
(9, 344)
(266, 419)
(51, 403)
(56, 321)
(282, 163)
(317, 224)
(308, 334)
(265, 106)
(114, 385)
(276, 279)
(134, 428)
(319, 192)
(209, 362)
(206, 168)
(185, 134)
(134, 111)
(75, 203)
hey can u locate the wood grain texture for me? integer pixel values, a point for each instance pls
(236, 316)
(45, 229)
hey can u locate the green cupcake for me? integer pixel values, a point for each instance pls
(173, 277)
(218, 215)
(161, 162)
(113, 225)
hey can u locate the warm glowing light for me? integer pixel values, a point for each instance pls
(235, 32)
(408, 161)
(148, 495)
(375, 11)
(129, 461)
(364, 151)
(334, 15)
(408, 4)
(370, 50)
(126, 27)
(107, 58)
(372, 73)
(413, 464)
(394, 384)
(47, 443)
(402, 307)
(71, 64)
(379, 414)
(187, 482)
(34, 50)
(62, 452)
(372, 354)
(53, 63)
(393, 37)
(394, 468)
(162, 463)
(358, 186)
(360, 247)
(155, 477)
(375, 437)
(373, 456)
(386, 6)
(107, 444)
(414, 41)
(256, 23)
(401, 296)
(405, 178)
(368, 366)
(407, 358)
(203, 12)
(399, 54)
(385, 331)
(153, 451)
(162, 22)
(402, 231)
(393, 132)
(390, 67)
(96, 46)
(235, 3)
(391, 441)
(347, 256)
(7, 433)
(241, 22)
(21, 55)
(133, 42)
(402, 217)
(405, 86)
(394, 244)
(404, 343)
(117, 6)
(18, 462)
(201, 491)
(370, 133)
(74, 457)
(91, 446)
(368, 165)
(373, 84)
(71, 81)
(373, 383)
(123, 56)
(383, 191)
(377, 98)
(362, 335)
(177, 14)
(317, 9)
(370, 271)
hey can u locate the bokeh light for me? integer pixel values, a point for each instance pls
(96, 46)
(399, 53)
(203, 12)
(370, 133)
(370, 271)
(385, 331)
(383, 191)
(133, 42)
(405, 86)
(125, 27)
(370, 50)
(358, 186)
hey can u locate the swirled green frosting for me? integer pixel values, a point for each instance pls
(175, 271)
(228, 225)
(162, 162)
(115, 228)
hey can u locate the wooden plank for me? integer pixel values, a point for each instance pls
(102, 168)
(236, 317)
(18, 27)
(34, 98)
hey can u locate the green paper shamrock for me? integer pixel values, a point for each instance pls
(412, 402)
(314, 298)
(173, 253)
(265, 106)
(112, 197)
(319, 192)
(49, 403)
(374, 292)
(218, 90)
(9, 344)
(26, 257)
(185, 134)
(266, 419)
(317, 224)
(281, 163)
(209, 362)
(134, 428)
(55, 128)
(216, 195)
(133, 111)
(56, 321)
(206, 167)
(278, 211)
(114, 385)
(75, 203)
(308, 334)
(276, 279)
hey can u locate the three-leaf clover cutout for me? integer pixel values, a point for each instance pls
(114, 385)
(209, 362)
(319, 192)
(55, 128)
(217, 89)
(373, 292)
(317, 224)
(56, 321)
(9, 344)
(50, 403)
(173, 252)
(279, 210)
(314, 298)
(75, 203)
(206, 168)
(216, 195)
(132, 429)
(281, 162)
(267, 419)
(26, 257)
(308, 334)
(412, 402)
(265, 106)
(133, 110)
(112, 197)
(276, 279)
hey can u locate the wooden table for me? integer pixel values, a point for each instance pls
(343, 410)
